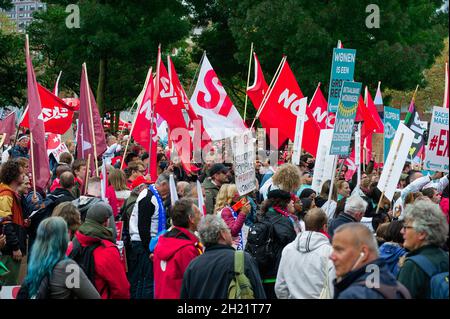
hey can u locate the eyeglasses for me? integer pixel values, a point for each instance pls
(407, 227)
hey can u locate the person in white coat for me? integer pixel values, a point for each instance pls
(305, 270)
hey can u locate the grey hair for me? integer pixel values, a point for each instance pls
(162, 178)
(209, 229)
(363, 235)
(355, 204)
(427, 217)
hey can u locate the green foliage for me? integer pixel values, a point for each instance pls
(407, 42)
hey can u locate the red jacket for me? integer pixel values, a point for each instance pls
(444, 206)
(173, 253)
(110, 277)
(234, 225)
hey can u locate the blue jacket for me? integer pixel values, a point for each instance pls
(350, 288)
(391, 253)
(18, 151)
(342, 219)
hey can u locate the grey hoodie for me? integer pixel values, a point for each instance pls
(305, 267)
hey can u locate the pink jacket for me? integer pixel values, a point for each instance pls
(234, 225)
(444, 206)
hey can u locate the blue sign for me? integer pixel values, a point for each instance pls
(391, 123)
(342, 69)
(345, 118)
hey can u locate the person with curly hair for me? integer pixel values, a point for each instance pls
(287, 178)
(12, 223)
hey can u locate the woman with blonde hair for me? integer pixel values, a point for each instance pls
(227, 197)
(118, 182)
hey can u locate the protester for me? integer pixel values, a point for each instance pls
(444, 204)
(79, 171)
(60, 169)
(305, 270)
(183, 189)
(274, 221)
(287, 178)
(235, 219)
(48, 274)
(176, 249)
(424, 232)
(355, 256)
(109, 276)
(392, 250)
(217, 177)
(118, 184)
(12, 221)
(209, 275)
(147, 221)
(21, 147)
(71, 215)
(328, 206)
(355, 208)
(135, 169)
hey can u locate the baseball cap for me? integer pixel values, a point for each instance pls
(217, 168)
(140, 180)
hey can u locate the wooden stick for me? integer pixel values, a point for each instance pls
(86, 180)
(94, 142)
(248, 80)
(390, 171)
(266, 96)
(33, 174)
(333, 175)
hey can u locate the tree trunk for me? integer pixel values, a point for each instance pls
(101, 85)
(117, 122)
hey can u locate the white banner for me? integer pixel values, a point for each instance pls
(211, 102)
(395, 161)
(244, 163)
(323, 167)
(436, 152)
(9, 292)
(300, 124)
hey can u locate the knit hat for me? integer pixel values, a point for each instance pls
(99, 212)
(278, 193)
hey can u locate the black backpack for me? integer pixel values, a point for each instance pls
(84, 257)
(261, 244)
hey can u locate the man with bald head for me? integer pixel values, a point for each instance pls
(359, 271)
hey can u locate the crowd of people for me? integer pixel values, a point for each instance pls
(284, 240)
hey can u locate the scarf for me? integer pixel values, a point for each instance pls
(93, 229)
(161, 218)
(240, 245)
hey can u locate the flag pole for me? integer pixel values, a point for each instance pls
(33, 174)
(266, 96)
(333, 175)
(91, 120)
(196, 72)
(86, 178)
(248, 80)
(149, 75)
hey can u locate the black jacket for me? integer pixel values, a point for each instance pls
(342, 219)
(209, 275)
(283, 234)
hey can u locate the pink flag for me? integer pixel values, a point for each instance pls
(39, 158)
(90, 137)
(8, 126)
(373, 112)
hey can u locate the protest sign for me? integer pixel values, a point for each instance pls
(343, 127)
(436, 152)
(300, 124)
(342, 69)
(391, 123)
(395, 161)
(9, 292)
(244, 163)
(323, 166)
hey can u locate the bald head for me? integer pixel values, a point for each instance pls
(66, 180)
(315, 219)
(359, 235)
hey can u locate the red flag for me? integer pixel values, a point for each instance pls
(318, 107)
(193, 117)
(56, 114)
(373, 112)
(170, 106)
(363, 115)
(141, 132)
(90, 137)
(39, 158)
(8, 126)
(282, 107)
(256, 94)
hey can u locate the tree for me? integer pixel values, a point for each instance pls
(117, 39)
(407, 42)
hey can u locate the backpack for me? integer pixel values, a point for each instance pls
(261, 245)
(438, 280)
(390, 292)
(84, 257)
(240, 286)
